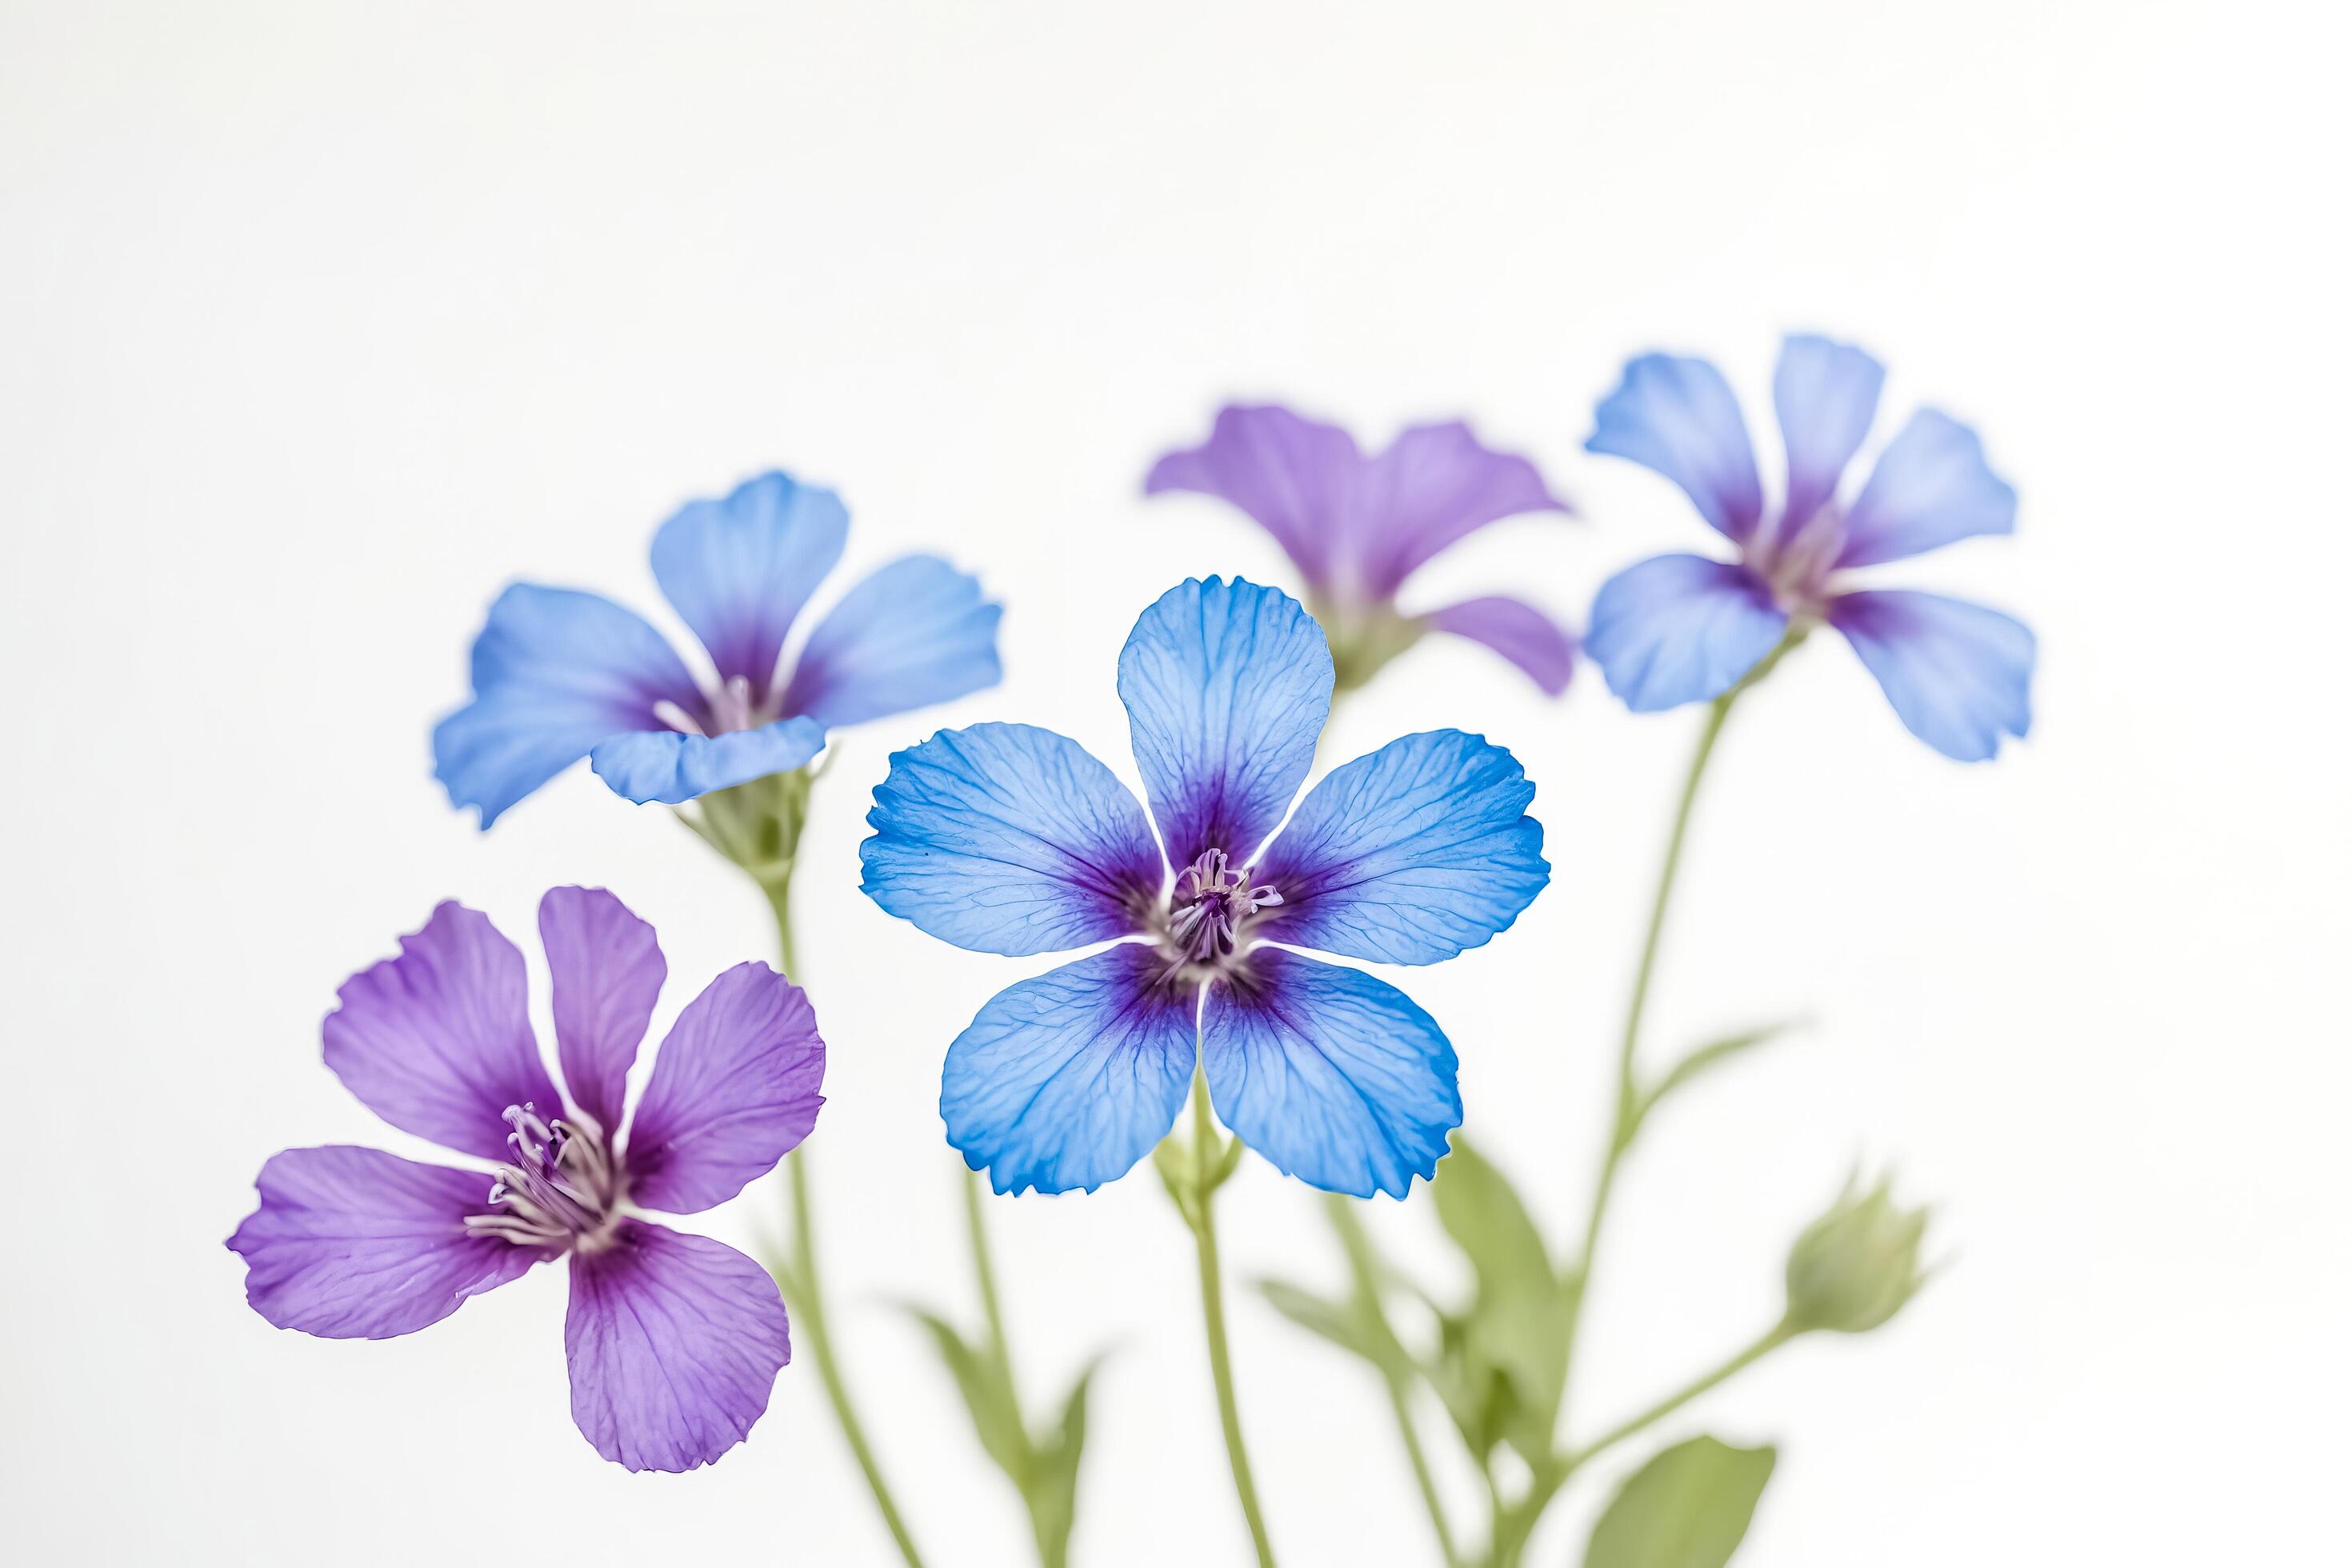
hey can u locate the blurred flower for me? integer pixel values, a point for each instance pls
(1357, 527)
(1008, 839)
(1684, 628)
(674, 1340)
(1853, 1268)
(560, 675)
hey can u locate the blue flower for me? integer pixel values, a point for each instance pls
(1684, 628)
(1008, 839)
(560, 675)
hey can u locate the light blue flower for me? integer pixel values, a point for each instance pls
(560, 675)
(1008, 839)
(1684, 628)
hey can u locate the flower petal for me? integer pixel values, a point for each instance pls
(914, 633)
(356, 1244)
(437, 1041)
(1826, 394)
(1931, 487)
(1336, 1077)
(1680, 628)
(670, 767)
(1069, 1080)
(1007, 839)
(1516, 630)
(607, 971)
(1227, 686)
(1296, 478)
(1433, 487)
(1409, 855)
(1958, 674)
(739, 571)
(1678, 418)
(675, 1341)
(555, 671)
(733, 1091)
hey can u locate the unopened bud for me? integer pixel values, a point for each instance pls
(1853, 1268)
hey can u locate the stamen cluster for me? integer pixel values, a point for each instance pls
(562, 1191)
(1209, 907)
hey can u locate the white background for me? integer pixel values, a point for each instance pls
(318, 322)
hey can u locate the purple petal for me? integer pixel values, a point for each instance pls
(1516, 630)
(1931, 487)
(672, 768)
(356, 1244)
(1227, 686)
(739, 571)
(1678, 418)
(1826, 394)
(675, 1341)
(437, 1041)
(1958, 674)
(1296, 478)
(1680, 628)
(733, 1091)
(1435, 485)
(914, 633)
(607, 973)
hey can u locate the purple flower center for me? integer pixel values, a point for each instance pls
(734, 706)
(1209, 909)
(562, 1189)
(1795, 562)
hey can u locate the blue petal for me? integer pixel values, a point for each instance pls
(1958, 674)
(1678, 418)
(670, 767)
(1680, 628)
(1931, 485)
(739, 571)
(914, 633)
(1226, 687)
(1069, 1080)
(1334, 1075)
(555, 671)
(1826, 394)
(1006, 839)
(1408, 856)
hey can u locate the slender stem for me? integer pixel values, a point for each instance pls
(983, 1269)
(1773, 1339)
(1206, 1149)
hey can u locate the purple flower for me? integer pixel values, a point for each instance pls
(1357, 527)
(1684, 628)
(1004, 839)
(560, 675)
(674, 1340)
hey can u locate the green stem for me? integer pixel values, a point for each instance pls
(983, 1269)
(1205, 1154)
(1779, 1335)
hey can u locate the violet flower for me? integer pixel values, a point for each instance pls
(674, 1340)
(1358, 527)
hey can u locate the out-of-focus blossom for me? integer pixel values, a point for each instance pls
(1855, 1267)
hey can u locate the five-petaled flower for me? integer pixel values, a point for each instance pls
(1008, 839)
(560, 675)
(674, 1340)
(1684, 628)
(1357, 527)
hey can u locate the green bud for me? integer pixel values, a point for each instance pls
(1853, 1268)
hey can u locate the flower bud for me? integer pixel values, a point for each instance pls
(1853, 1268)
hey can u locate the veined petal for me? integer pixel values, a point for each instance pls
(1516, 630)
(1296, 478)
(739, 571)
(1409, 855)
(733, 1091)
(555, 671)
(1007, 839)
(675, 1341)
(1334, 1075)
(356, 1244)
(1958, 674)
(1069, 1080)
(1931, 487)
(670, 767)
(1826, 395)
(914, 633)
(1227, 686)
(1433, 485)
(607, 971)
(437, 1041)
(1680, 628)
(1679, 418)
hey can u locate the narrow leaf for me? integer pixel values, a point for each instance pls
(1519, 1323)
(1707, 1057)
(1054, 1496)
(1333, 1320)
(995, 1414)
(1687, 1507)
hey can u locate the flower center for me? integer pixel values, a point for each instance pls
(562, 1191)
(734, 706)
(1211, 905)
(1797, 562)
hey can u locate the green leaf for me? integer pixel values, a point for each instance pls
(1517, 1324)
(1337, 1322)
(995, 1412)
(1053, 1495)
(1706, 1059)
(1687, 1507)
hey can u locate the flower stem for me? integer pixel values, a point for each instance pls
(1773, 1339)
(1207, 1155)
(983, 1269)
